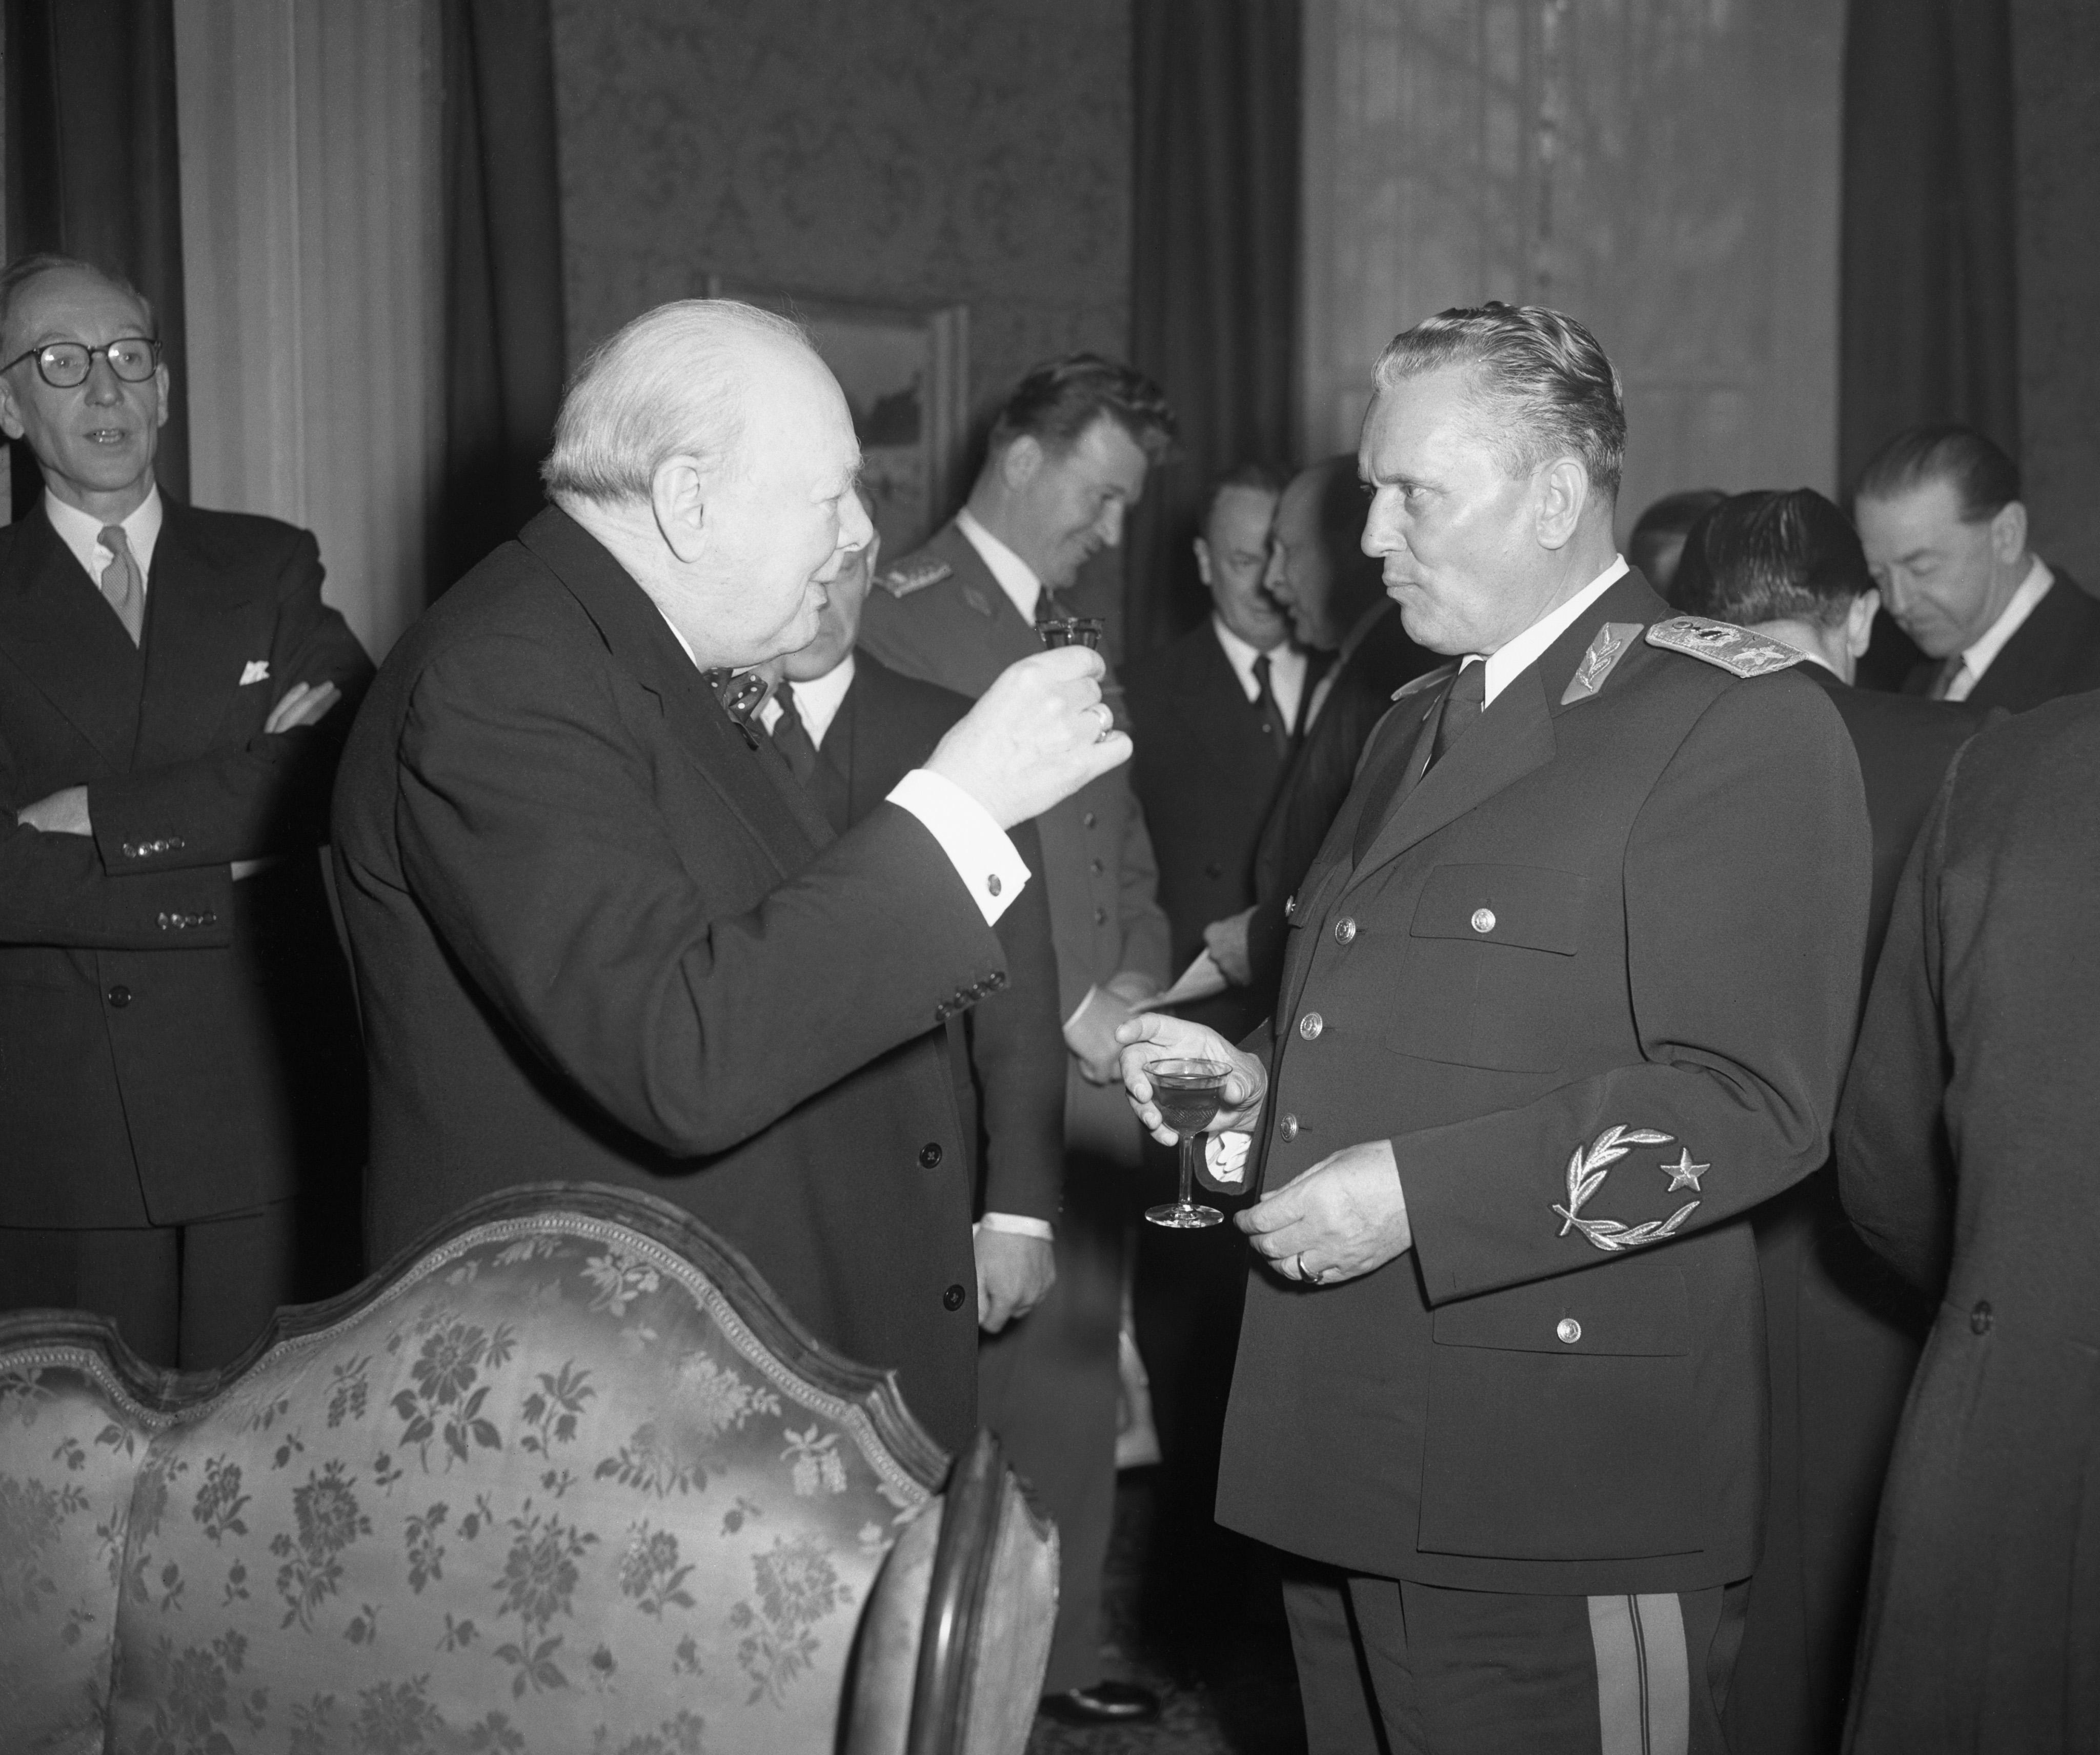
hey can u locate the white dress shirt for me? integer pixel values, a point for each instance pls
(1976, 660)
(1015, 577)
(1286, 671)
(81, 532)
(1510, 661)
(979, 849)
(817, 702)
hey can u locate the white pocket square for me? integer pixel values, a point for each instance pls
(255, 670)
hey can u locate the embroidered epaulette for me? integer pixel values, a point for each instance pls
(1426, 680)
(1735, 649)
(908, 577)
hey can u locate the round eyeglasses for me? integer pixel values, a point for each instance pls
(64, 365)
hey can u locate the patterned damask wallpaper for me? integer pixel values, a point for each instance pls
(899, 150)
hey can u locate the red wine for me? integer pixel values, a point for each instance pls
(1184, 1111)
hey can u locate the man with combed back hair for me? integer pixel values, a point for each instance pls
(603, 934)
(1567, 993)
(1841, 1332)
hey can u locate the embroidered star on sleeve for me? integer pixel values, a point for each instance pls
(1684, 1174)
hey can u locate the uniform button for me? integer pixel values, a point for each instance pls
(1087, 820)
(929, 1155)
(120, 996)
(1345, 930)
(1100, 917)
(1310, 1025)
(1568, 1330)
(1096, 865)
(1979, 1318)
(1484, 920)
(952, 1298)
(1288, 1127)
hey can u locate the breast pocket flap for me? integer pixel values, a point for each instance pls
(1533, 907)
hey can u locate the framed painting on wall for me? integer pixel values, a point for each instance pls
(905, 373)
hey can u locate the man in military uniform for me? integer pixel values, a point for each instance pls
(1567, 993)
(1067, 456)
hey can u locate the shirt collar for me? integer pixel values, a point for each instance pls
(1510, 661)
(2032, 590)
(1283, 657)
(1015, 577)
(817, 702)
(81, 532)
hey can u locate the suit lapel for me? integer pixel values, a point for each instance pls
(193, 650)
(62, 636)
(779, 816)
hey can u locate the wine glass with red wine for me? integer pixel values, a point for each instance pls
(1187, 1094)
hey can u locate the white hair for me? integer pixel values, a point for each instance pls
(669, 384)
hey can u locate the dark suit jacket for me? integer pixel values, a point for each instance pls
(2056, 651)
(939, 614)
(1319, 778)
(1965, 1156)
(1205, 774)
(1641, 910)
(1008, 1051)
(600, 936)
(173, 1046)
(1841, 1332)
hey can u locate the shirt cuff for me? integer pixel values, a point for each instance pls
(976, 847)
(1225, 1157)
(1017, 1223)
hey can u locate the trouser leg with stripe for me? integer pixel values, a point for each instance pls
(1387, 1667)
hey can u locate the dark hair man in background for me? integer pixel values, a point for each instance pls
(1567, 993)
(1965, 1156)
(1946, 536)
(1332, 592)
(1068, 456)
(1656, 541)
(181, 1099)
(850, 729)
(1841, 1332)
(603, 935)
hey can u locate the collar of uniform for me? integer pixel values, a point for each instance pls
(82, 533)
(2031, 590)
(1286, 663)
(1510, 661)
(817, 702)
(1015, 577)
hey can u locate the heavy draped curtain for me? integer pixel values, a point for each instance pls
(1214, 268)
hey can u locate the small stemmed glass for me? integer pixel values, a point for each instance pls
(1187, 1094)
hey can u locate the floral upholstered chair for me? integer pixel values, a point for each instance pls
(563, 1480)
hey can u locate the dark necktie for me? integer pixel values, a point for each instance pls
(122, 585)
(1266, 709)
(791, 737)
(1457, 714)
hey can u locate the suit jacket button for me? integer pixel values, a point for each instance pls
(1484, 920)
(1345, 930)
(1100, 917)
(929, 1155)
(1087, 820)
(952, 1298)
(1979, 1318)
(1310, 1025)
(1290, 906)
(119, 996)
(1096, 865)
(1288, 1127)
(1568, 1330)
(1213, 871)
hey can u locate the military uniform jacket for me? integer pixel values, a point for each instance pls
(939, 614)
(1593, 979)
(602, 936)
(173, 1046)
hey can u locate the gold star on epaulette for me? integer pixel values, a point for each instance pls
(908, 577)
(1735, 649)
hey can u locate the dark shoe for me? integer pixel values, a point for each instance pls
(1105, 1703)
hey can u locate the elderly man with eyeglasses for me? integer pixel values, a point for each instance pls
(181, 1085)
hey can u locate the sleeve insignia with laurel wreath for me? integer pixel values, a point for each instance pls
(1586, 1170)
